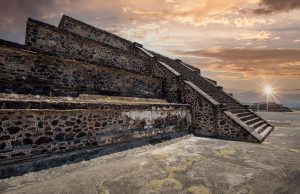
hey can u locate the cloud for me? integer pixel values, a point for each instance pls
(250, 62)
(195, 14)
(144, 30)
(250, 22)
(139, 32)
(169, 1)
(273, 6)
(259, 35)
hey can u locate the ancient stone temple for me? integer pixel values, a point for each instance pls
(74, 89)
(269, 106)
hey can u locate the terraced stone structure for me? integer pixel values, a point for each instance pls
(75, 88)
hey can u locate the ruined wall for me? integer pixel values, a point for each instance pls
(27, 72)
(44, 37)
(24, 133)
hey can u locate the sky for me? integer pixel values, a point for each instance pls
(242, 44)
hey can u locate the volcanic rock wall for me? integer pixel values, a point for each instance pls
(28, 132)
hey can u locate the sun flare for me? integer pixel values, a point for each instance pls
(268, 90)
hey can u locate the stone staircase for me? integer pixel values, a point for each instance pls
(225, 103)
(254, 122)
(251, 121)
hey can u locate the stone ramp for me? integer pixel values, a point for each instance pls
(251, 123)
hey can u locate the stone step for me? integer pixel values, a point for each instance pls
(261, 127)
(239, 111)
(257, 124)
(266, 131)
(244, 114)
(248, 117)
(252, 121)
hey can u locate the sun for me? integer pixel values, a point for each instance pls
(268, 90)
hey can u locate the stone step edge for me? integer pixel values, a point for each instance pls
(44, 105)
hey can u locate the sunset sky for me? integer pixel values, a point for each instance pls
(242, 44)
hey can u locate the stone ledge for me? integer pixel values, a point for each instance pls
(29, 102)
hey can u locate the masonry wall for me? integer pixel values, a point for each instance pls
(32, 73)
(24, 133)
(47, 38)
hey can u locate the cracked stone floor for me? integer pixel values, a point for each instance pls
(184, 165)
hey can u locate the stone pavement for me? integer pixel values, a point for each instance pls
(185, 165)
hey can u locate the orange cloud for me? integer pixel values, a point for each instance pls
(251, 63)
(191, 12)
